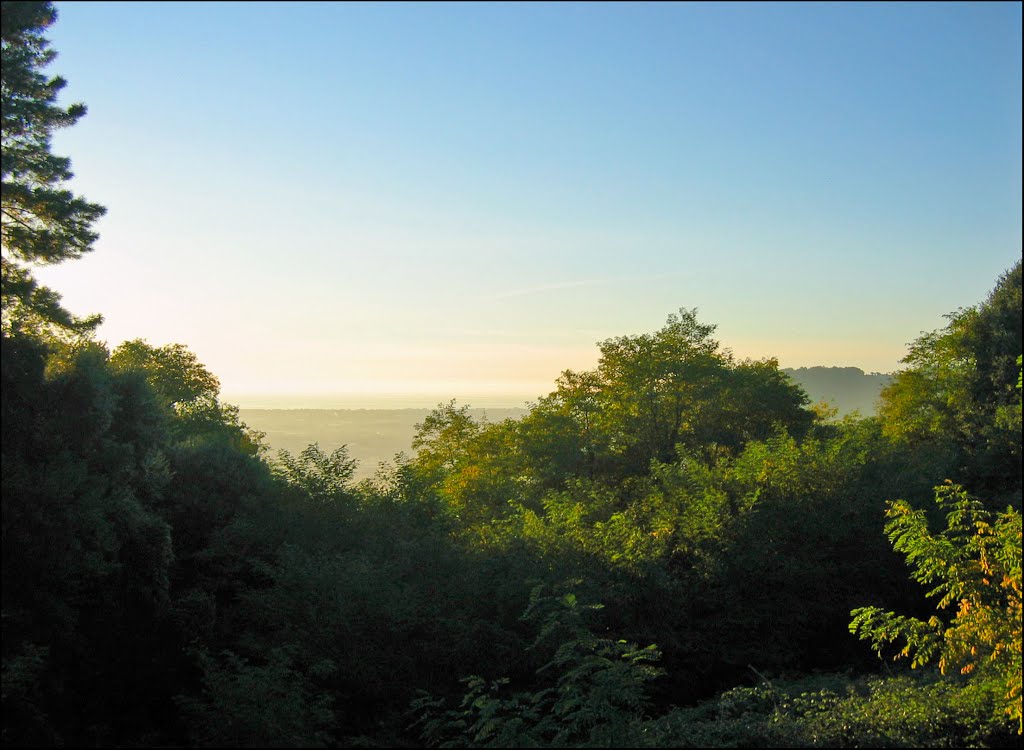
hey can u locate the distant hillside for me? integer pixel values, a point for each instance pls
(847, 388)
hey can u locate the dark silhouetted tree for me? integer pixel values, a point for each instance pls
(43, 222)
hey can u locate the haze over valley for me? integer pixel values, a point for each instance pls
(376, 435)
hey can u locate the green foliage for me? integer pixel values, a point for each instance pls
(974, 564)
(838, 711)
(798, 542)
(958, 390)
(87, 554)
(189, 391)
(42, 221)
(593, 694)
(259, 705)
(675, 387)
(172, 371)
(902, 712)
(651, 396)
(442, 436)
(118, 518)
(324, 477)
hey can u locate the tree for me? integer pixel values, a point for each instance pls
(441, 439)
(186, 388)
(958, 393)
(652, 393)
(326, 477)
(174, 373)
(976, 566)
(87, 553)
(42, 222)
(656, 386)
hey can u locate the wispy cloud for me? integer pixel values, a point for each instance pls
(548, 288)
(541, 288)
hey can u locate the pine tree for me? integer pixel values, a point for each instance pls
(43, 222)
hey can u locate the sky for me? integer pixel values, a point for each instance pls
(374, 204)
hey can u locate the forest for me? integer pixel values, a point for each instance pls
(674, 549)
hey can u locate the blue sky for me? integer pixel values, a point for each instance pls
(348, 204)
